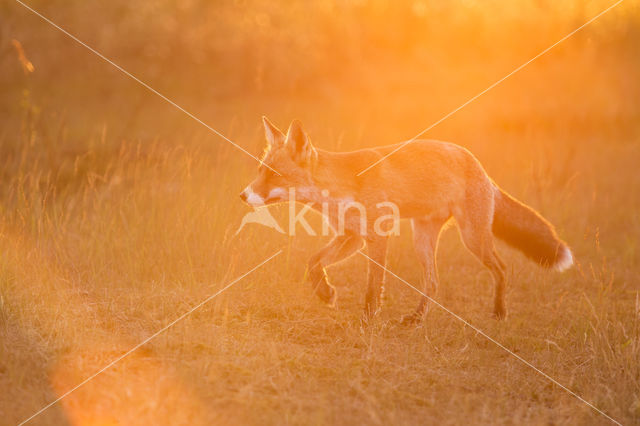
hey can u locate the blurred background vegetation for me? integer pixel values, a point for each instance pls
(398, 62)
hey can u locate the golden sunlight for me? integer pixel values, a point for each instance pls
(238, 212)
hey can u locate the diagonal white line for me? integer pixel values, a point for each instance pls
(402, 145)
(189, 312)
(491, 339)
(142, 83)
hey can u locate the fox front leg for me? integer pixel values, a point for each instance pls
(340, 248)
(377, 254)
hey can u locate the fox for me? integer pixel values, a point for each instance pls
(431, 182)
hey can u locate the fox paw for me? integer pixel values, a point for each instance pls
(500, 313)
(328, 294)
(414, 319)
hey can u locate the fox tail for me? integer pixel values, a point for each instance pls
(523, 228)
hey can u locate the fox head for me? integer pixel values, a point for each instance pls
(288, 162)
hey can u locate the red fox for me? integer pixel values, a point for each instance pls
(429, 181)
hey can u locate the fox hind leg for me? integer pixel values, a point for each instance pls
(478, 238)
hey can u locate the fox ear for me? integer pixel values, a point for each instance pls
(299, 143)
(273, 134)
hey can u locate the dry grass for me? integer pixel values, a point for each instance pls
(119, 215)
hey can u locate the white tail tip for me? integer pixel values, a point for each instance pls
(565, 260)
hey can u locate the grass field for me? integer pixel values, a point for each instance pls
(118, 214)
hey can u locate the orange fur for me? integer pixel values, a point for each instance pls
(429, 181)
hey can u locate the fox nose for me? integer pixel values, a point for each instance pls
(243, 196)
